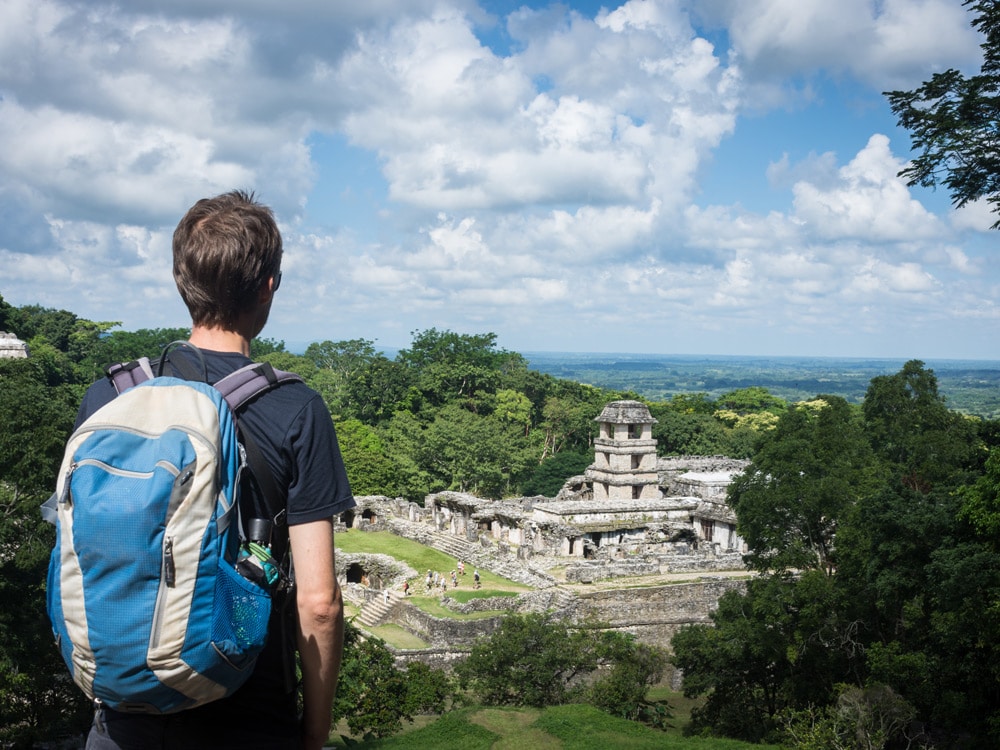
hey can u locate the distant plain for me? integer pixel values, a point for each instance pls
(969, 386)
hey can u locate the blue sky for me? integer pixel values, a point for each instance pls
(711, 177)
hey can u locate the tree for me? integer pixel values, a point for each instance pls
(37, 698)
(34, 321)
(806, 475)
(635, 667)
(569, 419)
(370, 469)
(752, 400)
(866, 718)
(549, 476)
(455, 367)
(530, 660)
(472, 453)
(926, 586)
(686, 428)
(981, 504)
(514, 408)
(337, 364)
(911, 428)
(953, 121)
(375, 696)
(915, 565)
(7, 313)
(780, 645)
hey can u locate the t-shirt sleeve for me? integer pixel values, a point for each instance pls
(319, 488)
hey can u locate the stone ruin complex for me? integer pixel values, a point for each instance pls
(11, 347)
(655, 534)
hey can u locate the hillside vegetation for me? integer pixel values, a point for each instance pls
(873, 527)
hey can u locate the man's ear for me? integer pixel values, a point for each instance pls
(266, 293)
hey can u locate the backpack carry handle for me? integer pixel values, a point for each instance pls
(184, 368)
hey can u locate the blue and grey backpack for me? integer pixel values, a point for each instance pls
(158, 600)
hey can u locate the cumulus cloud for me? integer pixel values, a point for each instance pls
(868, 201)
(889, 43)
(632, 101)
(546, 186)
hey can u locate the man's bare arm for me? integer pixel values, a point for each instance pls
(321, 625)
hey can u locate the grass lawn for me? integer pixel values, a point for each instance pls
(422, 559)
(398, 637)
(573, 727)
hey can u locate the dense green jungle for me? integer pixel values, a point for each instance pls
(870, 510)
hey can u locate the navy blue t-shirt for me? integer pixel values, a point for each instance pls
(292, 427)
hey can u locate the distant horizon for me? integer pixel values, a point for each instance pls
(299, 347)
(851, 358)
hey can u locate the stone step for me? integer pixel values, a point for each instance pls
(376, 611)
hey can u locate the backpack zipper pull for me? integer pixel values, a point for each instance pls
(67, 497)
(169, 572)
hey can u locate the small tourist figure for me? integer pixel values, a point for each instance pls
(454, 580)
(475, 578)
(461, 568)
(406, 588)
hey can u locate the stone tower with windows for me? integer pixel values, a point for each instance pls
(624, 465)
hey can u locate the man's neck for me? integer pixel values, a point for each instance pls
(220, 340)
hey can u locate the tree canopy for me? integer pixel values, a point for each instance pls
(954, 119)
(876, 615)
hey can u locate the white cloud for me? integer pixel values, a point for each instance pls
(869, 201)
(977, 216)
(889, 43)
(631, 109)
(546, 191)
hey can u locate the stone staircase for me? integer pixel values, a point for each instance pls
(376, 611)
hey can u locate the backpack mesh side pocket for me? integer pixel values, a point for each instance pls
(239, 623)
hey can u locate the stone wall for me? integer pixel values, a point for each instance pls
(379, 571)
(600, 570)
(444, 633)
(653, 614)
(435, 658)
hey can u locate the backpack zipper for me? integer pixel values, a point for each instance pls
(67, 496)
(169, 571)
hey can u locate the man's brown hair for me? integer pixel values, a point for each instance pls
(225, 250)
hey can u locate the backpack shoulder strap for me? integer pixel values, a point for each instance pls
(242, 386)
(127, 374)
(239, 388)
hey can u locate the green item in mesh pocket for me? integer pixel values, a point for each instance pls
(256, 564)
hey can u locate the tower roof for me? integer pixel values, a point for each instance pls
(626, 412)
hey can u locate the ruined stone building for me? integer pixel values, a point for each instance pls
(656, 514)
(655, 534)
(11, 347)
